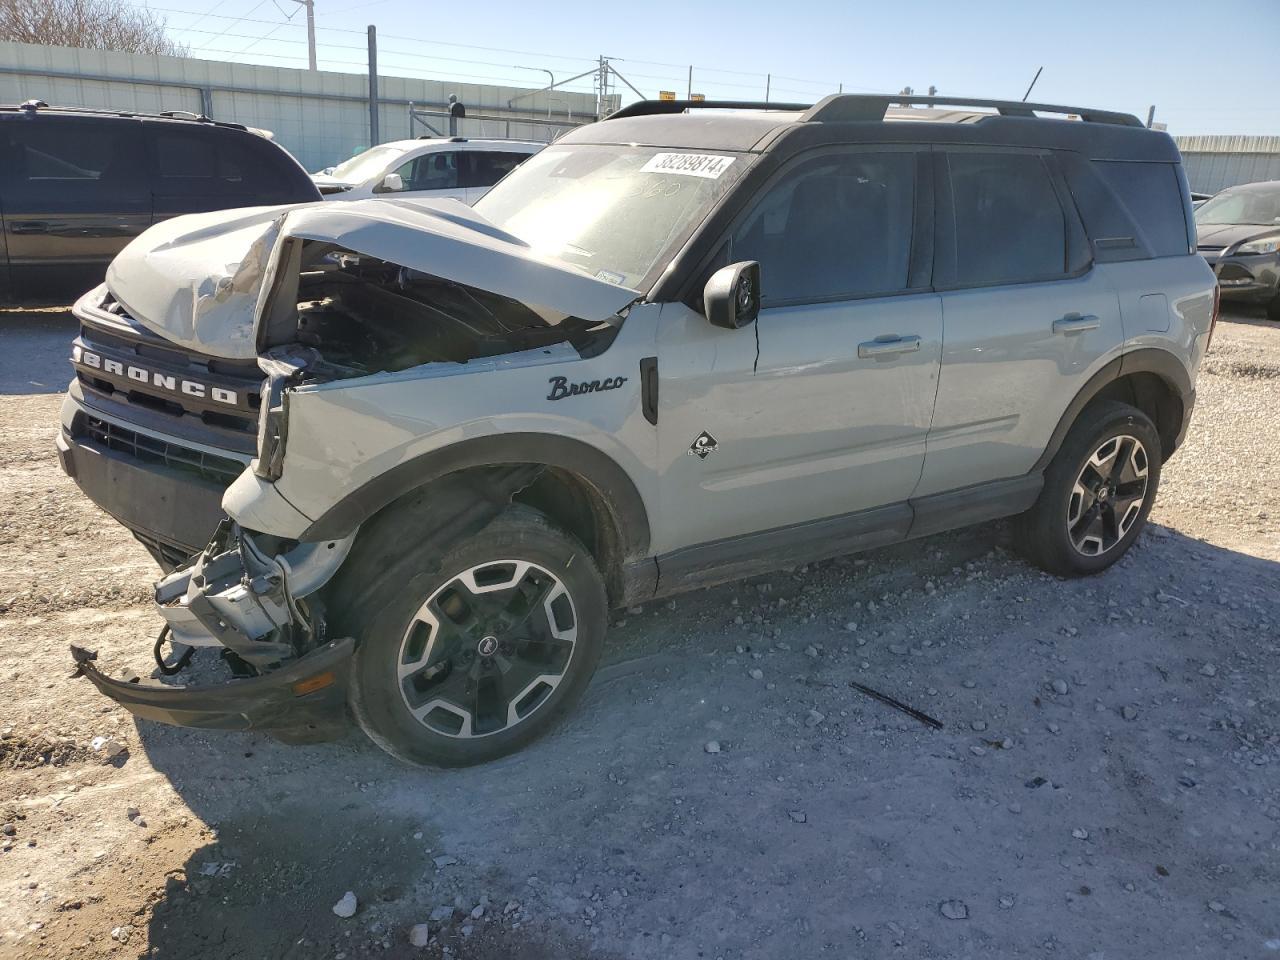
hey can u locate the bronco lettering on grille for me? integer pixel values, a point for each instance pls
(154, 378)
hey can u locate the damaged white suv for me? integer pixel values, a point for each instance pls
(401, 457)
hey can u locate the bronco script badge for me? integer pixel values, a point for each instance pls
(561, 387)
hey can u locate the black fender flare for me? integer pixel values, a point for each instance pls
(1161, 363)
(615, 487)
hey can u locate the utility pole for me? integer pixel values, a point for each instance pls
(1151, 116)
(689, 91)
(311, 31)
(373, 85)
(768, 82)
(602, 87)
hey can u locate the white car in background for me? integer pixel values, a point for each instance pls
(430, 167)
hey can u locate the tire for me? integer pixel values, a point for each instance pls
(500, 629)
(1088, 514)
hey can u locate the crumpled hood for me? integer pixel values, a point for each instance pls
(197, 280)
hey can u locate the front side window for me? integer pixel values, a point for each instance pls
(616, 212)
(836, 226)
(434, 171)
(1009, 225)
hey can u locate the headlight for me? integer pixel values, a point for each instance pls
(1261, 245)
(273, 427)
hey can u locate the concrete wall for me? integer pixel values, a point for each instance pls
(1213, 163)
(321, 118)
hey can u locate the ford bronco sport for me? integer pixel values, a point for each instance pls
(693, 342)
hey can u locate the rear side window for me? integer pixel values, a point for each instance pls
(50, 158)
(487, 167)
(1153, 197)
(1009, 224)
(215, 163)
(833, 227)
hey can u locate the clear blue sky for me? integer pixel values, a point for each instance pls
(1206, 70)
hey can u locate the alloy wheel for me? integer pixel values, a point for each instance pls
(1108, 495)
(487, 649)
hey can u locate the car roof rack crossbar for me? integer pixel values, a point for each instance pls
(646, 108)
(857, 107)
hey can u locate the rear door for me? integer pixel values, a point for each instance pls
(483, 168)
(74, 192)
(1026, 318)
(831, 417)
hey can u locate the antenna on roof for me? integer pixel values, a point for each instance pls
(1033, 83)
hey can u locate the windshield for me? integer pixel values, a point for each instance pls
(1242, 206)
(614, 212)
(365, 165)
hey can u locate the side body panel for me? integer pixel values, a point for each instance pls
(1166, 303)
(347, 434)
(816, 430)
(1010, 367)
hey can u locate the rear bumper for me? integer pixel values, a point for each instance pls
(269, 702)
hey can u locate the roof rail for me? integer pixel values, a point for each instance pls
(857, 107)
(184, 115)
(645, 108)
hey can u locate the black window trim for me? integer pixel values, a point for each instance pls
(920, 255)
(945, 269)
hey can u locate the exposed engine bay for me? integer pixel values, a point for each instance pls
(362, 315)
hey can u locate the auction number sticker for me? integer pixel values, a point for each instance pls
(706, 165)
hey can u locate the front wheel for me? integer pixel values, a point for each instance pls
(1097, 492)
(483, 650)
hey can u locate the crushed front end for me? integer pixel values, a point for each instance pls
(254, 602)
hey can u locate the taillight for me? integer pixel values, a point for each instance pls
(1213, 317)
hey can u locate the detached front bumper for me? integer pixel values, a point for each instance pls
(240, 598)
(303, 701)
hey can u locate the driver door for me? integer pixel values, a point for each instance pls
(822, 410)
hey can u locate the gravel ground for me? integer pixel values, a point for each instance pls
(1106, 783)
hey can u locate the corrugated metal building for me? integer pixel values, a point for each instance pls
(320, 117)
(1213, 163)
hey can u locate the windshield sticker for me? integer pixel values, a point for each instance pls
(706, 165)
(608, 276)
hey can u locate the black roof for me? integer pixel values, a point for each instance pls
(852, 118)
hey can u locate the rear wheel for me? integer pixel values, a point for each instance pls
(484, 649)
(1273, 308)
(1097, 493)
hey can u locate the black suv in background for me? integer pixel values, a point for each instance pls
(76, 185)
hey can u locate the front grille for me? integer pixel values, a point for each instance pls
(153, 450)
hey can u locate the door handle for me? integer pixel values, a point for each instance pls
(884, 346)
(1075, 323)
(29, 226)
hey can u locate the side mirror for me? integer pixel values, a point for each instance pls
(731, 298)
(391, 183)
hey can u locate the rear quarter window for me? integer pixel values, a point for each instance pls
(1152, 196)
